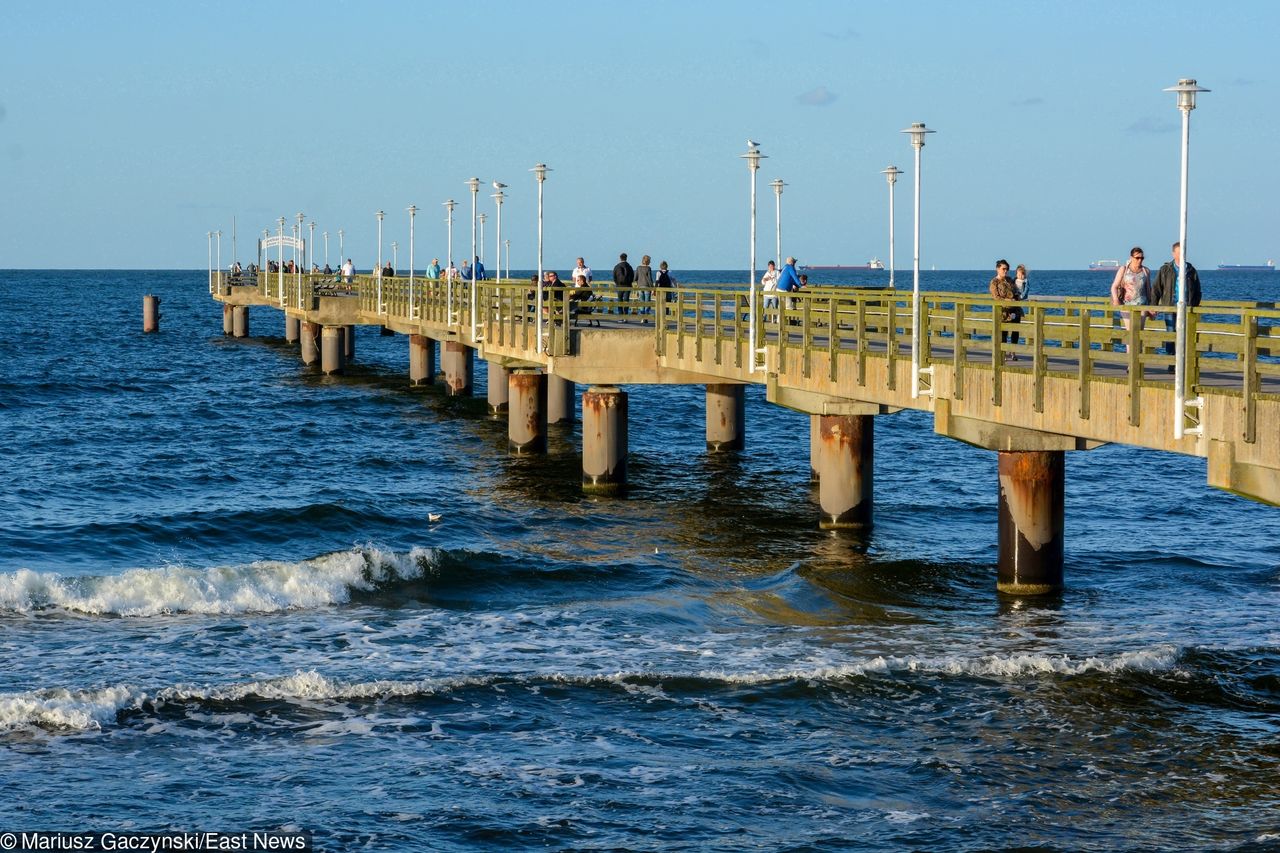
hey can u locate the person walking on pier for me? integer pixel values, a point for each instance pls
(1002, 287)
(644, 284)
(624, 275)
(433, 271)
(348, 270)
(1165, 292)
(466, 270)
(666, 282)
(1132, 286)
(477, 267)
(769, 286)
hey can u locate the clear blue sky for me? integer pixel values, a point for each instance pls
(130, 129)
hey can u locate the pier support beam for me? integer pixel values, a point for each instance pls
(150, 313)
(228, 318)
(240, 321)
(349, 343)
(292, 329)
(499, 390)
(845, 470)
(561, 400)
(422, 360)
(815, 447)
(310, 333)
(332, 351)
(604, 440)
(527, 412)
(1031, 522)
(726, 417)
(458, 361)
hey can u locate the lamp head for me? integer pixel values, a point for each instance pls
(891, 174)
(482, 216)
(474, 183)
(540, 172)
(777, 185)
(379, 214)
(917, 131)
(499, 195)
(281, 221)
(1186, 90)
(450, 205)
(753, 156)
(413, 209)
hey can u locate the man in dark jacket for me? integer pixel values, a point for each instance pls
(1166, 292)
(624, 275)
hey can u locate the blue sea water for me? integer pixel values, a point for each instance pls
(223, 605)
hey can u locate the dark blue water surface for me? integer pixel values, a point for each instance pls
(223, 606)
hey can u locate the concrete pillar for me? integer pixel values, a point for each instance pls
(228, 323)
(150, 313)
(726, 417)
(292, 329)
(458, 361)
(527, 411)
(422, 360)
(499, 392)
(604, 439)
(310, 342)
(349, 343)
(332, 351)
(845, 468)
(815, 448)
(240, 321)
(561, 399)
(1031, 522)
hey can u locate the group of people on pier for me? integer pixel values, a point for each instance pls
(1133, 286)
(1009, 290)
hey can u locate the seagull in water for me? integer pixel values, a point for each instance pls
(434, 516)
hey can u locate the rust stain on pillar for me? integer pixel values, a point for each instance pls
(526, 412)
(846, 461)
(457, 358)
(1031, 522)
(421, 360)
(228, 320)
(310, 351)
(726, 417)
(604, 440)
(150, 313)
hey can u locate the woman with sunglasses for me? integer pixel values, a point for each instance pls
(1132, 286)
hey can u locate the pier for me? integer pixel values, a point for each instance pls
(1077, 380)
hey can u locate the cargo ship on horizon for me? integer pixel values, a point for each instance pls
(1270, 265)
(1104, 266)
(873, 264)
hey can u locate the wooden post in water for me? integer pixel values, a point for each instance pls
(726, 417)
(310, 349)
(499, 392)
(240, 321)
(422, 360)
(845, 470)
(292, 329)
(1031, 522)
(458, 361)
(332, 351)
(561, 399)
(527, 411)
(150, 313)
(604, 439)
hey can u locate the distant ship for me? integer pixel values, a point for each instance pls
(1104, 266)
(873, 264)
(1269, 266)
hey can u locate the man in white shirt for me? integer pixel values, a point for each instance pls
(581, 270)
(348, 270)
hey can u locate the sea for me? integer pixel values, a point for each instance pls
(236, 594)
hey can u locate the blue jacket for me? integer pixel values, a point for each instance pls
(789, 281)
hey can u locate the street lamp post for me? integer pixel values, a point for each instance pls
(299, 260)
(917, 131)
(413, 211)
(474, 184)
(499, 196)
(449, 270)
(211, 262)
(777, 185)
(1186, 90)
(508, 244)
(311, 242)
(753, 158)
(483, 217)
(395, 255)
(340, 249)
(891, 176)
(540, 175)
(218, 234)
(280, 262)
(377, 274)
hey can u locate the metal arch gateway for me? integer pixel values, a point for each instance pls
(280, 242)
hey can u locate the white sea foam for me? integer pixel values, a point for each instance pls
(64, 710)
(262, 587)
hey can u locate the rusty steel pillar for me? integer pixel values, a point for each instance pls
(604, 439)
(292, 326)
(845, 476)
(228, 321)
(561, 400)
(150, 313)
(240, 321)
(310, 333)
(458, 362)
(1031, 522)
(527, 411)
(349, 343)
(499, 391)
(332, 351)
(726, 417)
(815, 448)
(422, 360)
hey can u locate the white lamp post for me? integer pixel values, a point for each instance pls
(379, 215)
(508, 259)
(326, 248)
(498, 197)
(299, 260)
(777, 185)
(413, 211)
(483, 217)
(218, 234)
(891, 175)
(211, 262)
(917, 131)
(753, 158)
(474, 184)
(540, 175)
(341, 253)
(449, 270)
(395, 255)
(280, 262)
(311, 242)
(1186, 90)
